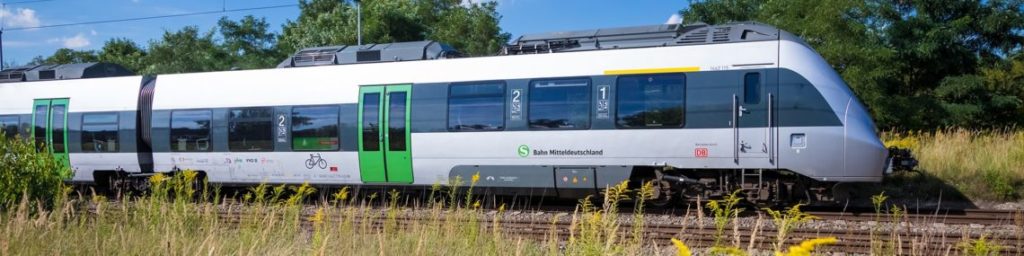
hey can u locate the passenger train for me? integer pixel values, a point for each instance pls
(700, 110)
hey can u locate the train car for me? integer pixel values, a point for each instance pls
(89, 124)
(698, 110)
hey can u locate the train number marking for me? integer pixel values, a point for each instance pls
(700, 152)
(517, 105)
(282, 129)
(603, 102)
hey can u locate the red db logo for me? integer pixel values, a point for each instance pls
(700, 152)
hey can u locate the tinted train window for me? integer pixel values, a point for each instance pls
(315, 128)
(396, 121)
(371, 122)
(190, 130)
(559, 104)
(59, 111)
(650, 101)
(9, 126)
(99, 132)
(752, 88)
(39, 121)
(250, 129)
(476, 107)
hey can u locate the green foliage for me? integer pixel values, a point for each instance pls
(724, 211)
(249, 42)
(980, 247)
(473, 29)
(65, 56)
(27, 174)
(125, 52)
(915, 64)
(186, 50)
(786, 221)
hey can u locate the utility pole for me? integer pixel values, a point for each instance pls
(359, 24)
(3, 6)
(1, 48)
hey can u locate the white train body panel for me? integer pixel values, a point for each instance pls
(846, 151)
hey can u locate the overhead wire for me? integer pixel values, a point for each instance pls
(29, 1)
(151, 17)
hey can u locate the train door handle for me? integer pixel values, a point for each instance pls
(743, 110)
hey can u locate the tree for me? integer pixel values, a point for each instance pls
(249, 42)
(915, 64)
(124, 52)
(471, 28)
(69, 56)
(186, 50)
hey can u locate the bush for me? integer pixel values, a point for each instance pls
(27, 174)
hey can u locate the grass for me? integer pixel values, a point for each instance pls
(174, 218)
(980, 165)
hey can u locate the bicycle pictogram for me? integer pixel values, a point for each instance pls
(316, 160)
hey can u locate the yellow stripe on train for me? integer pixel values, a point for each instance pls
(651, 70)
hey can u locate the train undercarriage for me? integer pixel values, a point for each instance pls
(756, 186)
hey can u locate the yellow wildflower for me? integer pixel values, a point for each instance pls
(317, 217)
(190, 175)
(157, 179)
(476, 178)
(806, 247)
(476, 204)
(342, 194)
(681, 248)
(501, 208)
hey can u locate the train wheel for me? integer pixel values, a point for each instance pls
(663, 195)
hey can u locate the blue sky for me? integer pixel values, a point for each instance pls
(518, 17)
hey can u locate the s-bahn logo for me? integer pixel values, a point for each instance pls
(524, 151)
(316, 160)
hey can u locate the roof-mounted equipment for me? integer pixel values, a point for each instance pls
(62, 72)
(639, 37)
(370, 53)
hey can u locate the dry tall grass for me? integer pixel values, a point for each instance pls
(987, 165)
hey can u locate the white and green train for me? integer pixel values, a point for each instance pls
(699, 109)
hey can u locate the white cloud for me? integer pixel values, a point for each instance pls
(77, 41)
(21, 17)
(93, 32)
(674, 19)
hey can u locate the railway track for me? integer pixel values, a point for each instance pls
(899, 240)
(968, 216)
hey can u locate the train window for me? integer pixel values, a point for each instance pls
(476, 107)
(371, 122)
(250, 129)
(396, 121)
(559, 104)
(650, 101)
(59, 112)
(752, 88)
(190, 130)
(39, 122)
(99, 132)
(315, 128)
(9, 126)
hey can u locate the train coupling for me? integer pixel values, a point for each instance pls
(900, 160)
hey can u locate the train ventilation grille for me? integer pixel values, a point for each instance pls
(315, 57)
(721, 34)
(695, 37)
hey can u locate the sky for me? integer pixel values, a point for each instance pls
(519, 17)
